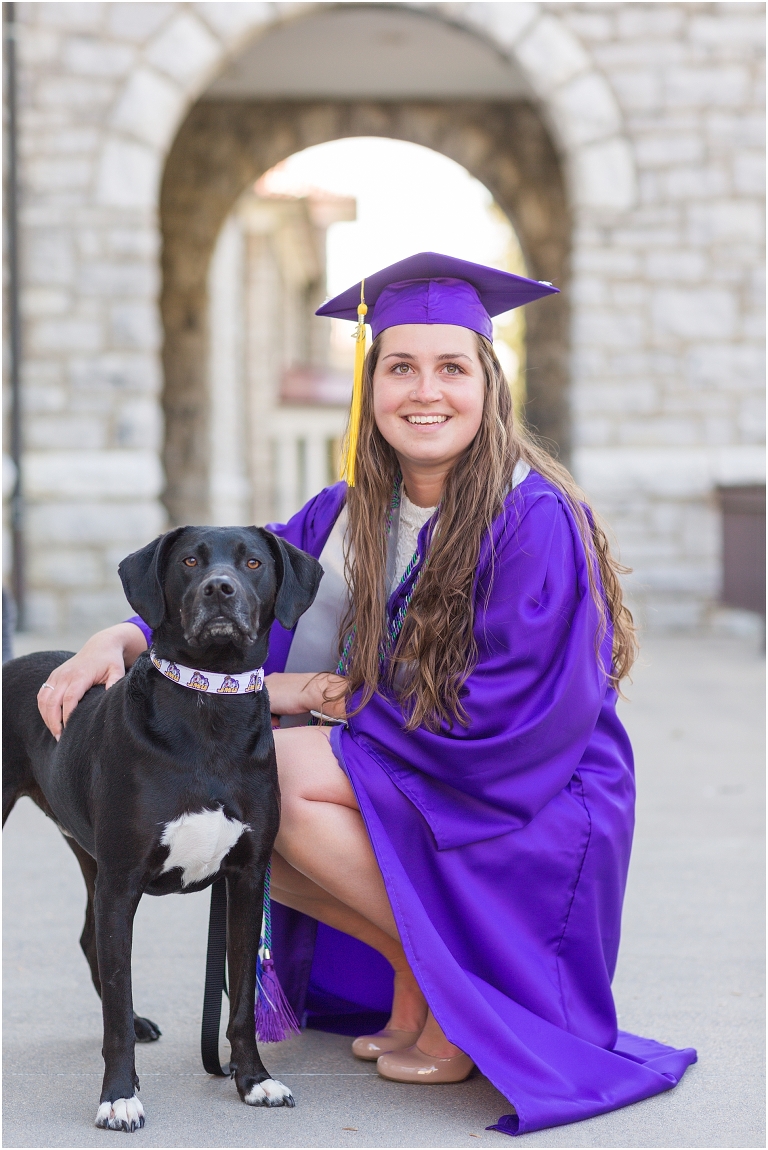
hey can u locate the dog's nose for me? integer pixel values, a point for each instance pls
(218, 584)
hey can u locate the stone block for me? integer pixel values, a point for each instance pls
(36, 46)
(129, 524)
(185, 49)
(85, 474)
(42, 175)
(137, 22)
(135, 326)
(589, 291)
(694, 313)
(128, 175)
(677, 472)
(753, 325)
(660, 149)
(676, 264)
(149, 107)
(139, 242)
(658, 431)
(77, 16)
(733, 28)
(646, 23)
(696, 182)
(65, 141)
(706, 86)
(44, 301)
(718, 430)
(48, 256)
(745, 129)
(230, 21)
(43, 399)
(617, 397)
(608, 329)
(591, 27)
(88, 98)
(504, 22)
(627, 296)
(550, 54)
(637, 89)
(65, 431)
(91, 611)
(43, 375)
(604, 175)
(116, 371)
(725, 221)
(596, 431)
(751, 419)
(610, 261)
(665, 614)
(729, 366)
(91, 56)
(119, 278)
(63, 335)
(139, 424)
(62, 567)
(586, 109)
(42, 612)
(749, 172)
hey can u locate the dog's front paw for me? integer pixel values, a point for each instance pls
(126, 1114)
(270, 1092)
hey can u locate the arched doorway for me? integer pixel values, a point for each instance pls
(233, 135)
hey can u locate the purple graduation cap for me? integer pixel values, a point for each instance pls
(432, 288)
(425, 288)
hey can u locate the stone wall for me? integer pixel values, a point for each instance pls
(668, 368)
(656, 111)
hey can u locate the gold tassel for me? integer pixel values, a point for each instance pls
(353, 428)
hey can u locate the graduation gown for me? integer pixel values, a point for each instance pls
(504, 845)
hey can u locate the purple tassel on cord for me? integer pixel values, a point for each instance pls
(275, 1020)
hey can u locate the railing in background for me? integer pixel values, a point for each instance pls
(305, 452)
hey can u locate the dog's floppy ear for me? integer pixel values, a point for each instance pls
(298, 577)
(141, 574)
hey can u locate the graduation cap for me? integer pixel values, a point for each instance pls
(426, 288)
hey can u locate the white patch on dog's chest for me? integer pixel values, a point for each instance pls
(199, 842)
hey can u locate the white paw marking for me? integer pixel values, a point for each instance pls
(125, 1114)
(199, 842)
(269, 1093)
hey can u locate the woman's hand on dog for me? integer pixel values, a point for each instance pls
(103, 659)
(293, 693)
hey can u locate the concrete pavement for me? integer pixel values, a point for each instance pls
(690, 969)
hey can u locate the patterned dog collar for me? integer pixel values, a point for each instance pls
(209, 682)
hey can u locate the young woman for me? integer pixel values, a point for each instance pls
(471, 819)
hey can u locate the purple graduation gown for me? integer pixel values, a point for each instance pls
(504, 845)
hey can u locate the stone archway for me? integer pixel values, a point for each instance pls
(223, 146)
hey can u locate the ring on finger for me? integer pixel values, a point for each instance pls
(48, 686)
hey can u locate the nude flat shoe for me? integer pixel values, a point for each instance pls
(412, 1065)
(371, 1046)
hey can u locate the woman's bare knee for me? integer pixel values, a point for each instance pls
(308, 769)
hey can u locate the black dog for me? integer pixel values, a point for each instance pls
(160, 789)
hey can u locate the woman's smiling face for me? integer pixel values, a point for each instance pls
(428, 393)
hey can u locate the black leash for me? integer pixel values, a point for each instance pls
(215, 980)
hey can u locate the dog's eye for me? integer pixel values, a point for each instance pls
(190, 561)
(253, 564)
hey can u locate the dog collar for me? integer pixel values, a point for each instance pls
(209, 682)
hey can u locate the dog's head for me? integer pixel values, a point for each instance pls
(215, 591)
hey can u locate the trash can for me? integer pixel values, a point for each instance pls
(743, 541)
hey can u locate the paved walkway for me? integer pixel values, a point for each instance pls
(690, 971)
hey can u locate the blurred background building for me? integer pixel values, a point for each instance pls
(194, 177)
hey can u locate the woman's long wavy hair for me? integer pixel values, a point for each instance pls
(436, 649)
